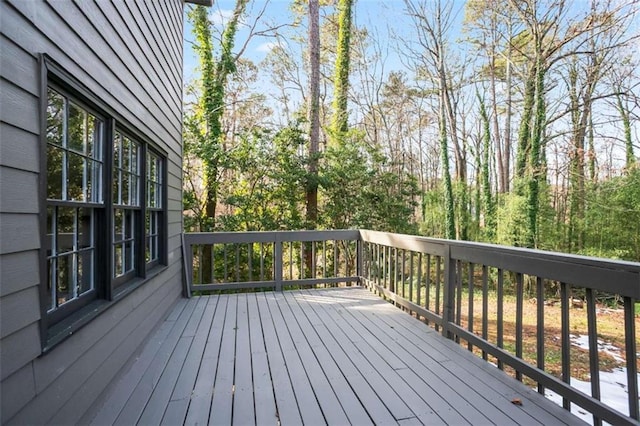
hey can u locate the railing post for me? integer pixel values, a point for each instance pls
(277, 262)
(359, 260)
(449, 292)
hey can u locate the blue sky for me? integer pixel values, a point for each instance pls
(376, 15)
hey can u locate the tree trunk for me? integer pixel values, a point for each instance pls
(313, 114)
(339, 124)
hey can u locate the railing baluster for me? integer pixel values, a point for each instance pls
(594, 364)
(291, 260)
(540, 350)
(302, 269)
(237, 262)
(261, 261)
(485, 306)
(630, 354)
(335, 258)
(419, 284)
(313, 259)
(403, 277)
(500, 315)
(324, 258)
(411, 276)
(250, 256)
(519, 314)
(470, 310)
(458, 294)
(566, 343)
(224, 278)
(438, 277)
(427, 287)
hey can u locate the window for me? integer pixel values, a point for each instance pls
(105, 205)
(74, 199)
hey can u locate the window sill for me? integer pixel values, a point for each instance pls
(67, 327)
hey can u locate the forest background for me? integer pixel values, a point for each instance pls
(508, 121)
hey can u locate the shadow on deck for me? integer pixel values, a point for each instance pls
(332, 356)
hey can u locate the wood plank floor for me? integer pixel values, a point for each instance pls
(334, 356)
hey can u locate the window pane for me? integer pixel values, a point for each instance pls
(124, 189)
(85, 271)
(51, 237)
(54, 172)
(76, 126)
(85, 228)
(126, 152)
(65, 229)
(117, 197)
(117, 148)
(118, 262)
(93, 146)
(129, 224)
(55, 117)
(133, 190)
(118, 224)
(129, 255)
(75, 177)
(64, 279)
(94, 177)
(51, 301)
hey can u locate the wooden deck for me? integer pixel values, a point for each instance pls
(334, 356)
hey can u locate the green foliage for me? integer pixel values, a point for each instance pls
(612, 218)
(358, 192)
(264, 192)
(433, 215)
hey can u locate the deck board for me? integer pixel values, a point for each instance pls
(329, 356)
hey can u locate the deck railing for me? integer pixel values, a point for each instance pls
(270, 260)
(497, 301)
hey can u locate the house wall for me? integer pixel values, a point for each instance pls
(129, 55)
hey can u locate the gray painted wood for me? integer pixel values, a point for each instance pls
(22, 69)
(19, 149)
(179, 402)
(19, 191)
(91, 390)
(23, 389)
(19, 232)
(18, 310)
(17, 272)
(18, 349)
(304, 392)
(135, 405)
(243, 397)
(222, 402)
(200, 404)
(287, 408)
(346, 395)
(329, 403)
(264, 400)
(60, 393)
(340, 338)
(110, 54)
(19, 107)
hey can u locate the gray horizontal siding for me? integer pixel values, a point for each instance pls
(18, 310)
(19, 191)
(17, 271)
(19, 149)
(17, 350)
(128, 55)
(87, 369)
(19, 233)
